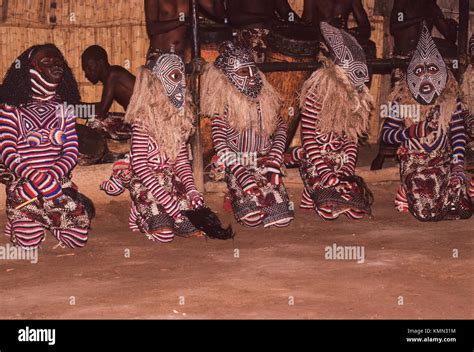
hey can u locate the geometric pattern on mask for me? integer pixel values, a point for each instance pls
(346, 52)
(165, 69)
(231, 60)
(427, 56)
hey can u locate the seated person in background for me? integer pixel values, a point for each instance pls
(336, 13)
(406, 19)
(166, 22)
(118, 85)
(253, 20)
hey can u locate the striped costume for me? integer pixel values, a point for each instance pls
(428, 165)
(470, 130)
(159, 187)
(249, 137)
(248, 158)
(39, 148)
(335, 106)
(158, 174)
(432, 140)
(328, 162)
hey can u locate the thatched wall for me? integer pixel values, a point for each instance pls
(73, 25)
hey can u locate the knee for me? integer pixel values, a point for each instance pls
(73, 238)
(252, 221)
(164, 236)
(27, 234)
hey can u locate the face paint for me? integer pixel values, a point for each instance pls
(169, 68)
(49, 64)
(238, 65)
(346, 52)
(427, 73)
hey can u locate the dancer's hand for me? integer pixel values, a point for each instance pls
(427, 127)
(274, 179)
(250, 186)
(457, 178)
(257, 192)
(28, 191)
(422, 129)
(254, 190)
(196, 199)
(271, 166)
(329, 179)
(455, 181)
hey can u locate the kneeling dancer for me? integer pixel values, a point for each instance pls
(249, 137)
(39, 150)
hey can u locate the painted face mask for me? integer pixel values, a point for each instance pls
(169, 68)
(238, 65)
(427, 73)
(346, 52)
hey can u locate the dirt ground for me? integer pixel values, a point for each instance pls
(409, 271)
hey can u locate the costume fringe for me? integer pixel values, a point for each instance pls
(217, 94)
(447, 101)
(150, 108)
(345, 110)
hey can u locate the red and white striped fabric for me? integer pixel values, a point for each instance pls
(228, 143)
(38, 143)
(146, 158)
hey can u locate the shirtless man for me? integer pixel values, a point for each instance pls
(117, 85)
(336, 12)
(406, 19)
(166, 22)
(118, 82)
(253, 20)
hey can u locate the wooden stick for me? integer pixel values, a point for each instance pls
(24, 204)
(198, 162)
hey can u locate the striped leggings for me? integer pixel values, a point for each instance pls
(29, 234)
(327, 213)
(162, 236)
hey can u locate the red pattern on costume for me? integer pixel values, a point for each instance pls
(429, 164)
(471, 190)
(146, 158)
(248, 159)
(38, 143)
(30, 149)
(316, 143)
(333, 156)
(229, 142)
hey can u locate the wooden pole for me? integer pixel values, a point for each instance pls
(198, 163)
(463, 36)
(4, 12)
(379, 66)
